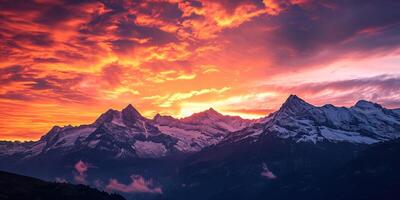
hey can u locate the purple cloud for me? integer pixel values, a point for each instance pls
(81, 169)
(267, 173)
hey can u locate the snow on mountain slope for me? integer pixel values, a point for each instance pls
(217, 121)
(148, 149)
(11, 148)
(126, 133)
(368, 119)
(339, 135)
(188, 140)
(363, 123)
(200, 129)
(115, 132)
(66, 137)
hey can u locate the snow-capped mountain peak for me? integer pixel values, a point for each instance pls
(293, 106)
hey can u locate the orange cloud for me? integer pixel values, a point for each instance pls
(273, 7)
(214, 17)
(169, 100)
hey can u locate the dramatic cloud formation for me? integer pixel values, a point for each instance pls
(177, 57)
(138, 185)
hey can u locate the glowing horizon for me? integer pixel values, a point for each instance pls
(67, 62)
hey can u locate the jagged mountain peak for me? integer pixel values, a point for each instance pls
(294, 104)
(295, 100)
(293, 97)
(130, 110)
(130, 116)
(127, 115)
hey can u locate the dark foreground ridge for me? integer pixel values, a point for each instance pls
(17, 187)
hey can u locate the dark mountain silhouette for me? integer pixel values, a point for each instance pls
(17, 187)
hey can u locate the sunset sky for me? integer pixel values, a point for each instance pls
(66, 62)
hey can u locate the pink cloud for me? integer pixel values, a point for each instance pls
(267, 173)
(81, 169)
(138, 185)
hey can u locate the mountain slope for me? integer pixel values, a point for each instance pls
(397, 111)
(276, 168)
(200, 129)
(17, 187)
(280, 168)
(372, 175)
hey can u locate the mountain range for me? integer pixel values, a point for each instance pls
(126, 133)
(285, 154)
